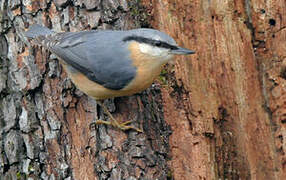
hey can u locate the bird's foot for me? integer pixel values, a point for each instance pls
(123, 126)
(113, 122)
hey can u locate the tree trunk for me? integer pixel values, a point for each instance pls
(47, 126)
(226, 104)
(218, 114)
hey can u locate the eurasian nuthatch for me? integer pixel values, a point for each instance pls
(105, 64)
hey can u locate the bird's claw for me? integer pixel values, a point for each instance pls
(123, 126)
(113, 122)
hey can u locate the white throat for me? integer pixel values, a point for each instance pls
(157, 52)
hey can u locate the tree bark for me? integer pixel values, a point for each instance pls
(47, 126)
(225, 104)
(219, 114)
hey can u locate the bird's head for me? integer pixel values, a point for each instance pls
(156, 44)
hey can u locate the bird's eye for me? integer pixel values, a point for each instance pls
(157, 43)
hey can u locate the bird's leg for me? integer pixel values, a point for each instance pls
(113, 122)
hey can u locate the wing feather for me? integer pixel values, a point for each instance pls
(102, 56)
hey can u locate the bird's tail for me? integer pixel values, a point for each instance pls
(37, 30)
(39, 35)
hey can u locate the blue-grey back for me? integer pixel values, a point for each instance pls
(101, 55)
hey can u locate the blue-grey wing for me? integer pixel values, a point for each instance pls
(101, 56)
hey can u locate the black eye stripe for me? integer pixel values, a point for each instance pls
(157, 43)
(150, 41)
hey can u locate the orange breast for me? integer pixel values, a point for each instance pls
(148, 69)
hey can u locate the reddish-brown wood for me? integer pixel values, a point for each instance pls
(225, 121)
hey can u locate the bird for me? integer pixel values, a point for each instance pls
(109, 63)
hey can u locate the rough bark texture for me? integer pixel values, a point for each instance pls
(224, 107)
(46, 123)
(226, 104)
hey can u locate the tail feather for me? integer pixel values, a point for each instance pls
(37, 30)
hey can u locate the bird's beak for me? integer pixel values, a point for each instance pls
(182, 51)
